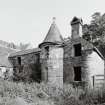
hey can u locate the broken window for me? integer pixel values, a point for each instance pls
(47, 51)
(77, 49)
(19, 60)
(77, 73)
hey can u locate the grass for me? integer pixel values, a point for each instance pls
(26, 91)
(20, 93)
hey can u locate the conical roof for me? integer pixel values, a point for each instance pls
(53, 34)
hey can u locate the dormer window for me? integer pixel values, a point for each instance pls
(47, 51)
(77, 49)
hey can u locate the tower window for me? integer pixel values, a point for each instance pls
(47, 51)
(77, 73)
(46, 77)
(77, 49)
(19, 60)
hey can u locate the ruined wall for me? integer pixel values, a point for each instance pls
(71, 61)
(29, 68)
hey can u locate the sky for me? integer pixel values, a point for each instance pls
(28, 21)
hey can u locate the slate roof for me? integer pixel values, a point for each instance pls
(24, 52)
(53, 34)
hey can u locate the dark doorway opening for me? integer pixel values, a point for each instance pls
(77, 73)
(19, 60)
(77, 49)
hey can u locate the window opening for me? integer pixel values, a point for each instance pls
(77, 73)
(19, 60)
(47, 51)
(77, 50)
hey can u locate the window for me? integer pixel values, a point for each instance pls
(37, 58)
(77, 73)
(77, 50)
(19, 60)
(47, 51)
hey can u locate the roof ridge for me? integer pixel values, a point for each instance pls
(23, 52)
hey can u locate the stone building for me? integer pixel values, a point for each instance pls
(57, 61)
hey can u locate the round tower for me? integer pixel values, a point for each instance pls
(52, 57)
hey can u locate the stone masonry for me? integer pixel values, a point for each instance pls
(57, 61)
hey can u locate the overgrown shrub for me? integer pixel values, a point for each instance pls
(69, 96)
(93, 96)
(30, 72)
(43, 94)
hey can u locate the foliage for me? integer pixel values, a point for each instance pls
(27, 92)
(95, 31)
(17, 93)
(30, 72)
(93, 96)
(24, 46)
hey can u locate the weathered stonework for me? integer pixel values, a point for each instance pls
(52, 66)
(29, 64)
(61, 61)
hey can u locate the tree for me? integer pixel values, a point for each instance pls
(24, 46)
(95, 31)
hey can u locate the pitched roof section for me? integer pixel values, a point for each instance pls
(24, 52)
(53, 34)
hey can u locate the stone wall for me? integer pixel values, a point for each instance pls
(71, 61)
(52, 67)
(58, 66)
(29, 68)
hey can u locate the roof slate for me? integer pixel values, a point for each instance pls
(53, 34)
(23, 52)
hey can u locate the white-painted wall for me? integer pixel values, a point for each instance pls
(95, 65)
